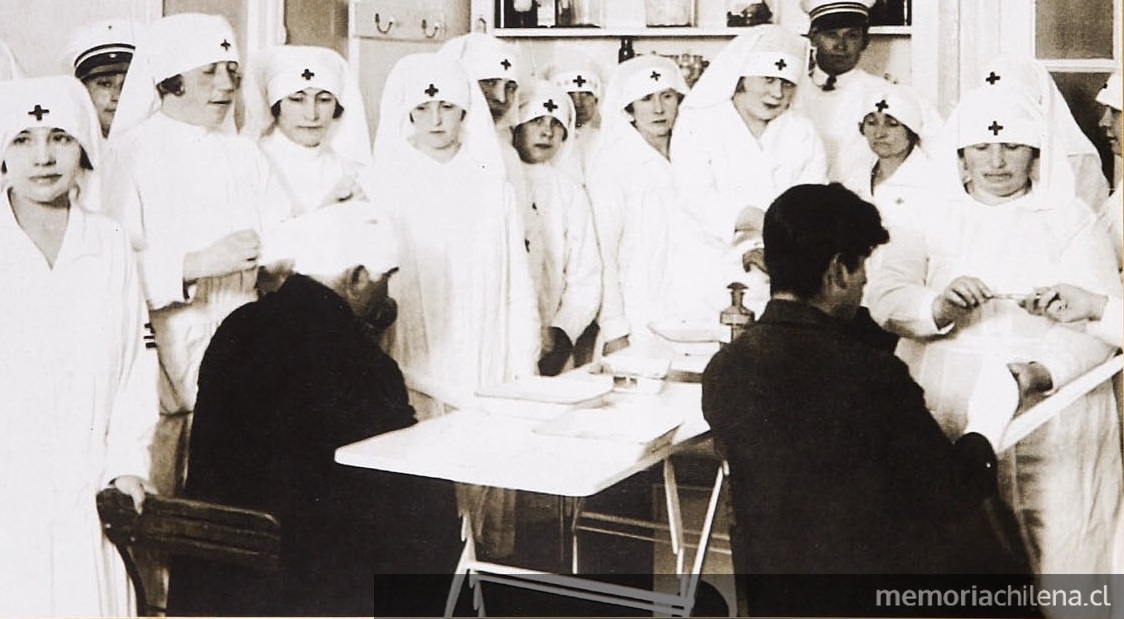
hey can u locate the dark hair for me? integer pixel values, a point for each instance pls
(838, 21)
(275, 109)
(807, 225)
(171, 86)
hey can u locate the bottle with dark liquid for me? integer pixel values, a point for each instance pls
(513, 18)
(625, 52)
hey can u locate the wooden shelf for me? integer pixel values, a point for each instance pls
(650, 32)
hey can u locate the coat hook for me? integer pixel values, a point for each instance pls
(425, 29)
(378, 24)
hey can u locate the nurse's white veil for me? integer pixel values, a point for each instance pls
(282, 70)
(167, 47)
(768, 50)
(56, 101)
(631, 80)
(543, 98)
(1029, 74)
(1005, 114)
(419, 78)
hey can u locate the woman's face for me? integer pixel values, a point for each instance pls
(1112, 126)
(208, 94)
(763, 98)
(306, 115)
(500, 95)
(538, 139)
(998, 170)
(42, 163)
(104, 91)
(585, 107)
(886, 136)
(654, 115)
(437, 125)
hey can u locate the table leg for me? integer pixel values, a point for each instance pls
(674, 516)
(468, 555)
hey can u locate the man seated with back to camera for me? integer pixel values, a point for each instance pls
(285, 381)
(836, 466)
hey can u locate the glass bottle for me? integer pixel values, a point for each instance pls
(737, 316)
(625, 52)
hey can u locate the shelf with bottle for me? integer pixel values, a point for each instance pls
(651, 32)
(570, 19)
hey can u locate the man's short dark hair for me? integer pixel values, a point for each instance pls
(809, 224)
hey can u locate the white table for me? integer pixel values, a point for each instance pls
(475, 446)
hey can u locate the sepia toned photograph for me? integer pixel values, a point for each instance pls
(561, 308)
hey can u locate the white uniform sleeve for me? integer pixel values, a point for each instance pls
(133, 418)
(608, 204)
(900, 300)
(1087, 261)
(692, 165)
(814, 171)
(581, 295)
(151, 231)
(524, 327)
(1109, 327)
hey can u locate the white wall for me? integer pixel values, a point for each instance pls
(37, 31)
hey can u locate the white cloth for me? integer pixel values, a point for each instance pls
(1111, 215)
(178, 188)
(468, 312)
(637, 208)
(565, 261)
(111, 36)
(722, 168)
(911, 187)
(1029, 74)
(561, 242)
(9, 67)
(1064, 481)
(311, 176)
(77, 387)
(330, 240)
(900, 199)
(1112, 92)
(278, 72)
(834, 113)
(639, 214)
(1108, 328)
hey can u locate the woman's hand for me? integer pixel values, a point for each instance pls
(1034, 381)
(235, 252)
(754, 258)
(750, 219)
(1065, 303)
(960, 298)
(348, 188)
(135, 487)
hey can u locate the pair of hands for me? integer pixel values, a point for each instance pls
(235, 252)
(1060, 302)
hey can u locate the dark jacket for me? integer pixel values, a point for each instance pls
(836, 465)
(286, 380)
